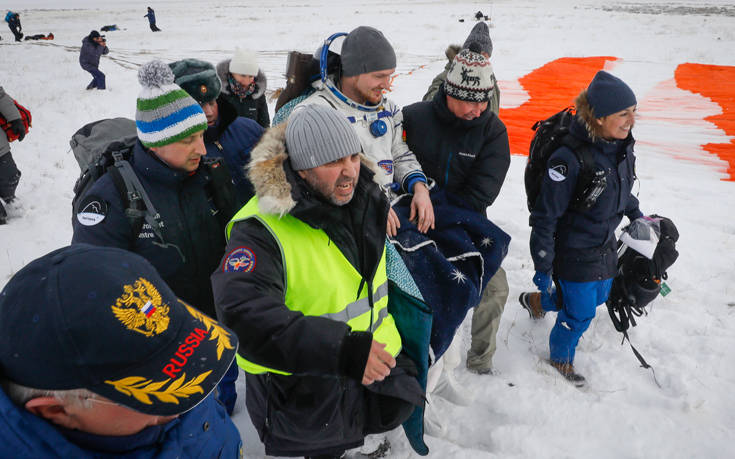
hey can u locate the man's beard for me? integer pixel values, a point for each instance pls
(327, 194)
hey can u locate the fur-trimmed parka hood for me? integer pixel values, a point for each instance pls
(450, 52)
(268, 175)
(223, 70)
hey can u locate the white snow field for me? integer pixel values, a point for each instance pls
(527, 410)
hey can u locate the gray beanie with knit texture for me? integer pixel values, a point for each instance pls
(480, 34)
(317, 135)
(366, 50)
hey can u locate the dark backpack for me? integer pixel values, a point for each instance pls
(106, 146)
(639, 280)
(551, 134)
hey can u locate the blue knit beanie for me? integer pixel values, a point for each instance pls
(608, 94)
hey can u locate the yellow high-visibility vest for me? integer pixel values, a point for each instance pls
(320, 281)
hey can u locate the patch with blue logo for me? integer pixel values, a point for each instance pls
(242, 260)
(387, 166)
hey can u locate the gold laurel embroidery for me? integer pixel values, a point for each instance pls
(127, 308)
(142, 389)
(215, 329)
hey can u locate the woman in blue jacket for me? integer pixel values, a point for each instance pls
(577, 246)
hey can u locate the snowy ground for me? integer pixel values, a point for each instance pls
(526, 410)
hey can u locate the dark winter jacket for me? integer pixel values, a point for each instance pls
(232, 138)
(151, 15)
(468, 158)
(580, 246)
(89, 56)
(253, 106)
(320, 408)
(14, 23)
(193, 233)
(436, 83)
(205, 431)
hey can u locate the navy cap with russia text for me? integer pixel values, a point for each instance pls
(102, 319)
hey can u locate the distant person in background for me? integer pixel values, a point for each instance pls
(151, 15)
(40, 36)
(244, 85)
(9, 173)
(480, 34)
(13, 20)
(94, 45)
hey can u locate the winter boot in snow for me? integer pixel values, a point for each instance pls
(567, 370)
(375, 447)
(531, 302)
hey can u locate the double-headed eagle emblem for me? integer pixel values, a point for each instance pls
(141, 308)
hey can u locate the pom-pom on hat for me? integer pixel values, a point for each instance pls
(608, 94)
(480, 34)
(366, 50)
(244, 62)
(198, 78)
(317, 135)
(470, 76)
(165, 113)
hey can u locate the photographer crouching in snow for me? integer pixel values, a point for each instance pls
(94, 46)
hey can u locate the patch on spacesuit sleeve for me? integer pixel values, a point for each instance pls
(387, 166)
(92, 210)
(242, 260)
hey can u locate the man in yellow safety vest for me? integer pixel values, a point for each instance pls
(303, 284)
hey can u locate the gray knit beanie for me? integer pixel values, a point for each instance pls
(480, 34)
(317, 135)
(366, 50)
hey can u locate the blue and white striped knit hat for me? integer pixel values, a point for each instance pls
(165, 113)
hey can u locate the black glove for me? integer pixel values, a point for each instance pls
(19, 129)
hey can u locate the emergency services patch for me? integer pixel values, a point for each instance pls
(558, 173)
(92, 210)
(387, 166)
(242, 260)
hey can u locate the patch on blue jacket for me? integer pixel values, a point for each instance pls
(242, 259)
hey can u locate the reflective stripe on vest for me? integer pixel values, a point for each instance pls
(320, 281)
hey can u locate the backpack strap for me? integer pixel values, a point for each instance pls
(590, 181)
(138, 206)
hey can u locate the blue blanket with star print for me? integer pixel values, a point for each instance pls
(452, 263)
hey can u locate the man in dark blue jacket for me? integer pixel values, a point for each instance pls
(151, 15)
(228, 135)
(108, 362)
(167, 160)
(574, 246)
(94, 45)
(463, 146)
